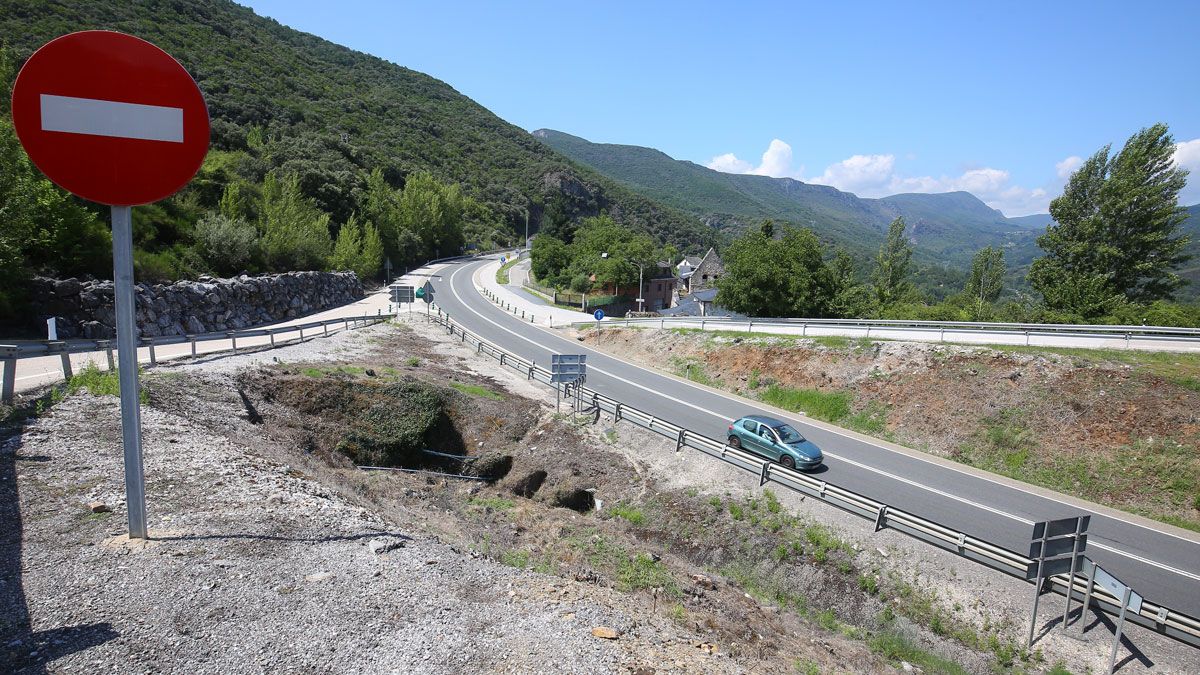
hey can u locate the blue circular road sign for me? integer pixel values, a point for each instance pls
(599, 314)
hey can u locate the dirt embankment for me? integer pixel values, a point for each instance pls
(1118, 428)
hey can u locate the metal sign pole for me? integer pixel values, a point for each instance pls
(1037, 595)
(1112, 659)
(1071, 575)
(1087, 598)
(131, 414)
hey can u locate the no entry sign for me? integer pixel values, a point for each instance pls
(110, 117)
(116, 120)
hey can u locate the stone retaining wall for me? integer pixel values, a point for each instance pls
(85, 308)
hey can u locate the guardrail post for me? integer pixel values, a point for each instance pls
(347, 324)
(749, 326)
(679, 441)
(271, 335)
(325, 326)
(233, 341)
(112, 364)
(66, 364)
(880, 518)
(942, 338)
(868, 331)
(1127, 336)
(803, 330)
(302, 333)
(10, 380)
(153, 360)
(1026, 338)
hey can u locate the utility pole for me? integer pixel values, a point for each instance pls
(526, 228)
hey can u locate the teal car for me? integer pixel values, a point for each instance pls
(775, 440)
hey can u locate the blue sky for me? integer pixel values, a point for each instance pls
(873, 97)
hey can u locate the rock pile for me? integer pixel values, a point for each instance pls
(85, 308)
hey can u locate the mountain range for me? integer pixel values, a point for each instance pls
(948, 227)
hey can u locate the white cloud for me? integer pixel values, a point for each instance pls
(1187, 156)
(864, 175)
(1066, 167)
(729, 163)
(776, 162)
(876, 176)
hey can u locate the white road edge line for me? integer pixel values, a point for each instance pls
(963, 500)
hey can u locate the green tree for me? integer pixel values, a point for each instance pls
(892, 266)
(775, 277)
(987, 277)
(227, 245)
(1116, 233)
(295, 233)
(358, 249)
(549, 259)
(848, 298)
(434, 211)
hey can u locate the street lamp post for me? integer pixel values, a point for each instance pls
(527, 228)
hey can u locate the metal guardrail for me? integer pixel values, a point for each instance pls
(13, 352)
(1062, 329)
(1156, 617)
(1026, 330)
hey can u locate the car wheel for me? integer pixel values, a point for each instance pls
(787, 461)
(735, 442)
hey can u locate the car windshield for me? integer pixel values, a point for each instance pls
(789, 435)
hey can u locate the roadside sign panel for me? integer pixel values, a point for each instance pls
(1111, 584)
(568, 367)
(402, 294)
(426, 293)
(598, 314)
(1058, 528)
(110, 117)
(1051, 548)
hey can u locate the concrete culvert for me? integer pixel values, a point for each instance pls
(576, 499)
(528, 486)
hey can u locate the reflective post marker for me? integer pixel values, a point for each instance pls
(131, 414)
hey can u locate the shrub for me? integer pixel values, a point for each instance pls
(227, 245)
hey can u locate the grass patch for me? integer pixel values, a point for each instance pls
(832, 341)
(827, 406)
(895, 648)
(476, 390)
(514, 558)
(96, 382)
(412, 362)
(628, 512)
(694, 370)
(502, 273)
(495, 503)
(872, 419)
(642, 571)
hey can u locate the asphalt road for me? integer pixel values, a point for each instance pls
(1162, 565)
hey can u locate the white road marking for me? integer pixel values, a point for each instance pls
(96, 117)
(908, 481)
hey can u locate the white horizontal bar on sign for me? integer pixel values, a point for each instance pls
(96, 117)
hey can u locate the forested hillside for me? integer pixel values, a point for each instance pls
(317, 119)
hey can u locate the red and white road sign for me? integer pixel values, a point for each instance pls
(110, 117)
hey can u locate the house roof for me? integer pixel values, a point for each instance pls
(692, 260)
(705, 295)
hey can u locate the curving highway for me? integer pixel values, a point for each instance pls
(1158, 561)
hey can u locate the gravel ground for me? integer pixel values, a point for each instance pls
(254, 567)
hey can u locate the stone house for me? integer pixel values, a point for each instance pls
(705, 272)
